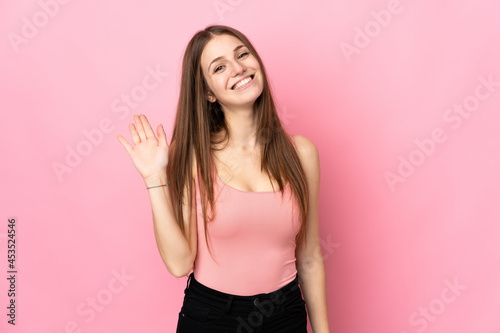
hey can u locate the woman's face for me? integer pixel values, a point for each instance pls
(232, 73)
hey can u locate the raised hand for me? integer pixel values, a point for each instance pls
(150, 155)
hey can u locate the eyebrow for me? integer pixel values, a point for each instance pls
(219, 58)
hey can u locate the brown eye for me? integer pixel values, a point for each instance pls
(218, 68)
(242, 55)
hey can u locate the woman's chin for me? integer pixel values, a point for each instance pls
(242, 101)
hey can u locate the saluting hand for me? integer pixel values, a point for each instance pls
(150, 155)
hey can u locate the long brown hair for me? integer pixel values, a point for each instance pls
(198, 120)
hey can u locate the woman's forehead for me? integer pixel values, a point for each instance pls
(219, 46)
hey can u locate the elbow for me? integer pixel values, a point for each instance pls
(178, 266)
(179, 273)
(180, 270)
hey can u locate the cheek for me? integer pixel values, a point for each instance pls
(261, 81)
(214, 84)
(255, 64)
(220, 83)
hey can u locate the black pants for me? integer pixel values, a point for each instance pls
(206, 310)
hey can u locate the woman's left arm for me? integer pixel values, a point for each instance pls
(310, 266)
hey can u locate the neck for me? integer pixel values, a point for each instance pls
(242, 127)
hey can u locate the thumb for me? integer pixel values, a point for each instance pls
(125, 144)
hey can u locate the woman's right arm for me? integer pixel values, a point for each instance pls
(150, 157)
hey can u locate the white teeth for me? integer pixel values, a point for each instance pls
(242, 82)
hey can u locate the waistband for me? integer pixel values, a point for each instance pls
(225, 300)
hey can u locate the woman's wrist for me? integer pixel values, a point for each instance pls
(156, 179)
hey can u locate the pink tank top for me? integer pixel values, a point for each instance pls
(252, 237)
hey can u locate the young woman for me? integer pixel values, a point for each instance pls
(240, 213)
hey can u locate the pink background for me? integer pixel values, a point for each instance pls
(372, 83)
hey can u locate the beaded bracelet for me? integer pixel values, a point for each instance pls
(168, 183)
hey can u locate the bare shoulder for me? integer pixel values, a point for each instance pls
(309, 157)
(306, 148)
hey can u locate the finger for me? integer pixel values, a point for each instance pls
(125, 144)
(147, 127)
(162, 137)
(135, 136)
(140, 128)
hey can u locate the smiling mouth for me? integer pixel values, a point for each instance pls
(242, 83)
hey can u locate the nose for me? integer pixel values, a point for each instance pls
(238, 68)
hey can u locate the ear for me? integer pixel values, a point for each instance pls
(210, 97)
